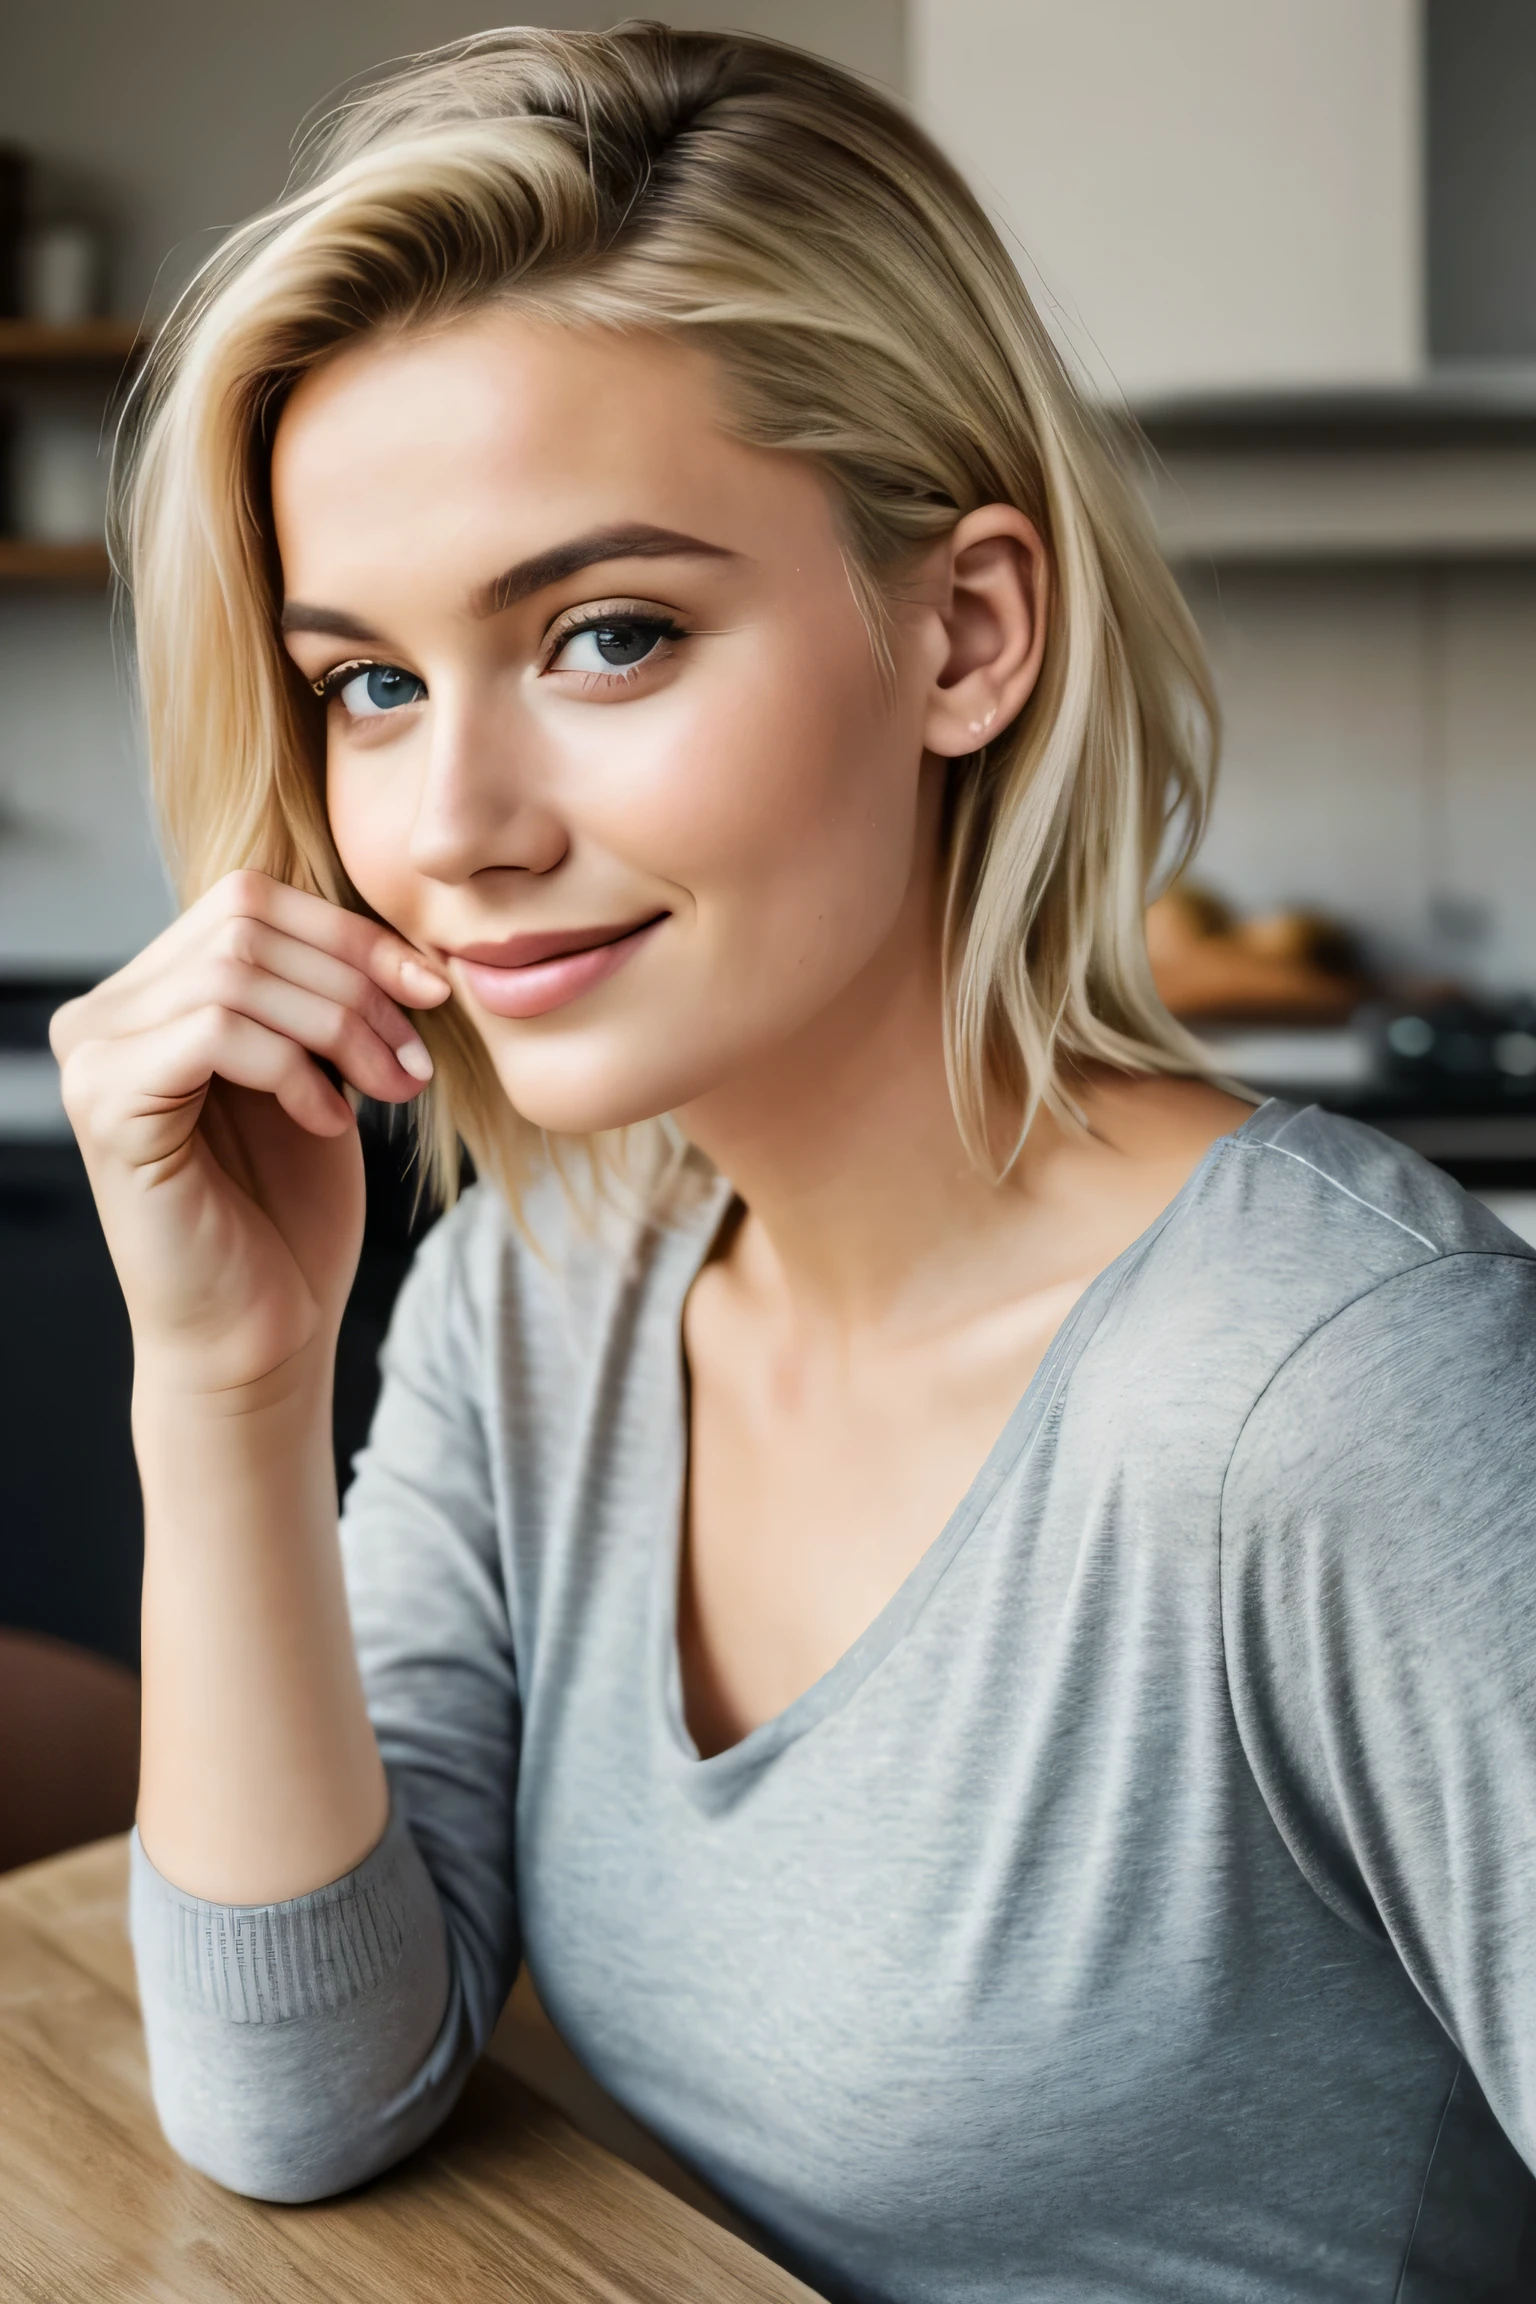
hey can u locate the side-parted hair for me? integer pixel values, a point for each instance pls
(756, 202)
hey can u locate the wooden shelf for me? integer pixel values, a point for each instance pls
(85, 344)
(85, 566)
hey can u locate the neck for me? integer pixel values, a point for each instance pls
(862, 1202)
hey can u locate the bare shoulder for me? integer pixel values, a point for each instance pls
(1164, 1121)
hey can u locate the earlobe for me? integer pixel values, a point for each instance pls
(995, 625)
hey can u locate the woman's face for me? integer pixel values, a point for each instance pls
(605, 731)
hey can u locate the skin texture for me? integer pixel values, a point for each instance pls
(751, 795)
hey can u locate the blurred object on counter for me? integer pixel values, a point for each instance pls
(1457, 1051)
(61, 270)
(1287, 968)
(14, 174)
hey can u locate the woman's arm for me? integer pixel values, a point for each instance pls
(246, 1644)
(306, 1998)
(228, 1176)
(298, 2047)
(1379, 1596)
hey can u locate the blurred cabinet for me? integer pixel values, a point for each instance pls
(1480, 100)
(1212, 198)
(69, 1501)
(71, 1530)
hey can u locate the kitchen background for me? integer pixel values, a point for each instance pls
(1295, 240)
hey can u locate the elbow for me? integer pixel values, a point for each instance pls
(298, 2094)
(291, 2161)
(290, 2115)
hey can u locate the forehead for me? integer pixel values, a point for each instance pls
(499, 434)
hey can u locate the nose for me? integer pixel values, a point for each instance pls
(479, 807)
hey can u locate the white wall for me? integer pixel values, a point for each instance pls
(1380, 756)
(173, 118)
(1227, 195)
(1216, 193)
(177, 114)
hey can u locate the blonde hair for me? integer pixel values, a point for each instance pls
(766, 206)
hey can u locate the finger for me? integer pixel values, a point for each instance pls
(134, 997)
(239, 946)
(140, 1095)
(325, 1027)
(379, 1051)
(351, 987)
(378, 951)
(151, 988)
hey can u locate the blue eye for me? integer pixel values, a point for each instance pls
(377, 688)
(616, 644)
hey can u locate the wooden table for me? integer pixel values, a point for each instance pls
(508, 2202)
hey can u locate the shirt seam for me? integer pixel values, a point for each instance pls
(1284, 1152)
(1387, 1280)
(1429, 2169)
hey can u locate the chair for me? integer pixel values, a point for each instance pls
(69, 1747)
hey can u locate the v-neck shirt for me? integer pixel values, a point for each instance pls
(1142, 1910)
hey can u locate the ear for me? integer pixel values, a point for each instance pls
(993, 610)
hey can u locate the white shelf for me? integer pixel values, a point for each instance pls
(1442, 469)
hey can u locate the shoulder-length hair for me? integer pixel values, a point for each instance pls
(755, 201)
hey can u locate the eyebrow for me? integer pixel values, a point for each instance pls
(298, 616)
(633, 542)
(636, 541)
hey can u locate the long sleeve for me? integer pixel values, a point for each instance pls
(299, 2048)
(1379, 1587)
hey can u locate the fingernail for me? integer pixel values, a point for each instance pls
(413, 1058)
(421, 980)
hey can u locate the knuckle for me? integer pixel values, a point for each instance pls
(375, 1008)
(331, 1032)
(229, 981)
(84, 1089)
(65, 1026)
(77, 1075)
(239, 938)
(245, 890)
(358, 1042)
(208, 1024)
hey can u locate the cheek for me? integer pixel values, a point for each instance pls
(371, 814)
(777, 788)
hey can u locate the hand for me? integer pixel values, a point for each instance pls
(226, 1168)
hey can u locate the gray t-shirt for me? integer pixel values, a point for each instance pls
(1143, 1908)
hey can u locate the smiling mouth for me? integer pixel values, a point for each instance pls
(530, 975)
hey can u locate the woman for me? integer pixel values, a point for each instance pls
(958, 1593)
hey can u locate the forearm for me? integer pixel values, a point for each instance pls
(261, 1779)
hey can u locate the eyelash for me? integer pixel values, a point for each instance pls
(331, 683)
(596, 620)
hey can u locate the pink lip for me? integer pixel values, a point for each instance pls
(530, 975)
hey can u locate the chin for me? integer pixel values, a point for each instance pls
(578, 1093)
